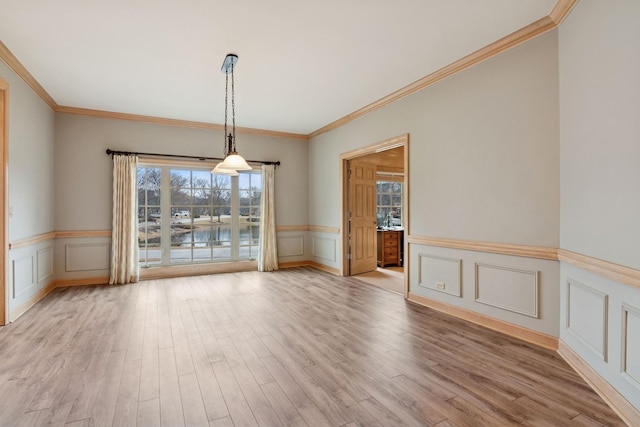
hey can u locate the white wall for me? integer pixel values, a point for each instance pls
(31, 140)
(600, 185)
(83, 176)
(484, 166)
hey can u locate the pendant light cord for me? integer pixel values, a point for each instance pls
(226, 96)
(233, 107)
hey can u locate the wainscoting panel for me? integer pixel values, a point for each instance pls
(87, 256)
(22, 274)
(600, 326)
(44, 263)
(507, 288)
(631, 344)
(440, 274)
(587, 316)
(324, 248)
(518, 290)
(291, 246)
(30, 272)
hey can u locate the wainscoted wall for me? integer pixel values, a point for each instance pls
(325, 248)
(293, 245)
(82, 260)
(519, 290)
(600, 322)
(31, 275)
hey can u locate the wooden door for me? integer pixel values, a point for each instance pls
(362, 217)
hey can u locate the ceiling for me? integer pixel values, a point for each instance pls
(302, 64)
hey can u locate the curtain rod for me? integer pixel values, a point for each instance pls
(111, 152)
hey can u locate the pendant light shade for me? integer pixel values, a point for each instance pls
(229, 172)
(235, 162)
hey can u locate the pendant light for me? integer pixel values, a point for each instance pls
(220, 171)
(233, 161)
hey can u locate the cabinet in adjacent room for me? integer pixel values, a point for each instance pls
(389, 244)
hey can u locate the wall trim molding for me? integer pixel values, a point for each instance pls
(31, 301)
(28, 241)
(285, 228)
(617, 272)
(561, 10)
(86, 281)
(323, 229)
(173, 122)
(317, 265)
(528, 251)
(528, 335)
(606, 391)
(73, 234)
(12, 62)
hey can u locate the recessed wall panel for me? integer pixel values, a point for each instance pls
(44, 262)
(631, 344)
(290, 246)
(440, 274)
(587, 316)
(22, 272)
(87, 256)
(507, 288)
(323, 247)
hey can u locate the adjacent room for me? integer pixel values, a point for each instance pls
(341, 214)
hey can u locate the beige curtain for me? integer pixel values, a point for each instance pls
(268, 258)
(124, 233)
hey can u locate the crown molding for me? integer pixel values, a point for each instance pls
(561, 10)
(172, 122)
(12, 62)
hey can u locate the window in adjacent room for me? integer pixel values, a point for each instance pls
(389, 203)
(187, 215)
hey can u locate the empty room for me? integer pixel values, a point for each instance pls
(343, 214)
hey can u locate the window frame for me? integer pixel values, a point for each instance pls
(167, 208)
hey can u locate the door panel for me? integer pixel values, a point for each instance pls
(362, 205)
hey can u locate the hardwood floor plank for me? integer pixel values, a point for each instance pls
(192, 404)
(149, 369)
(222, 422)
(126, 413)
(149, 413)
(300, 400)
(293, 347)
(239, 409)
(262, 410)
(285, 410)
(105, 406)
(211, 394)
(171, 414)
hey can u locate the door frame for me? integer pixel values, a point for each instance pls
(398, 141)
(4, 217)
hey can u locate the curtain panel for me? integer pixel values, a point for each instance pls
(268, 258)
(124, 232)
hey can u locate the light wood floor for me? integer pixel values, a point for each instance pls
(296, 347)
(390, 278)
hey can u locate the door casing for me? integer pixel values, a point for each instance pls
(398, 141)
(4, 226)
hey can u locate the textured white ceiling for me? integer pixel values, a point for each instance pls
(302, 64)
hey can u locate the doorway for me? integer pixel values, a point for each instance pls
(4, 144)
(368, 227)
